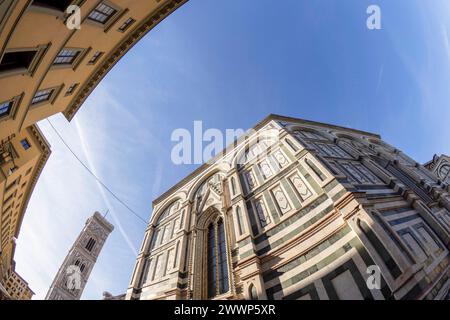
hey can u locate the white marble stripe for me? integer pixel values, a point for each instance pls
(335, 190)
(311, 241)
(314, 260)
(296, 224)
(321, 292)
(315, 276)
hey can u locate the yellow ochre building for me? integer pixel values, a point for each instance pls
(47, 67)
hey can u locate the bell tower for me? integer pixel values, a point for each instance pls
(74, 273)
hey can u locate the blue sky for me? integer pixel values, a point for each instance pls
(230, 63)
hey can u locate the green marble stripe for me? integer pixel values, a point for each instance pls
(283, 225)
(288, 153)
(296, 231)
(338, 195)
(311, 270)
(349, 265)
(309, 289)
(368, 261)
(331, 185)
(272, 209)
(244, 242)
(438, 286)
(258, 174)
(310, 180)
(269, 275)
(246, 254)
(251, 216)
(356, 275)
(390, 263)
(291, 194)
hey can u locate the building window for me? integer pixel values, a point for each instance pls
(5, 108)
(102, 13)
(252, 292)
(217, 260)
(59, 5)
(25, 144)
(95, 57)
(17, 60)
(71, 89)
(90, 244)
(66, 56)
(42, 95)
(126, 24)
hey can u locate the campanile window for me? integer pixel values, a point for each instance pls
(90, 244)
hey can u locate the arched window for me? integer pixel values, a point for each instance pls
(82, 267)
(90, 244)
(168, 211)
(217, 260)
(252, 292)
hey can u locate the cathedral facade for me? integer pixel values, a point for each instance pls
(299, 210)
